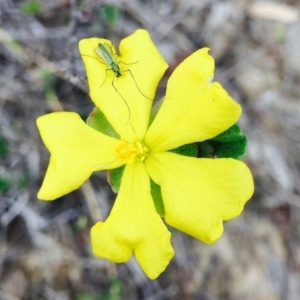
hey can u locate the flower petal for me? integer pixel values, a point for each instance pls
(194, 109)
(148, 66)
(134, 226)
(126, 100)
(199, 194)
(76, 151)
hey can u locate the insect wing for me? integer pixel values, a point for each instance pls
(104, 52)
(107, 48)
(103, 55)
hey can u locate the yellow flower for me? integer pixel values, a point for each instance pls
(198, 193)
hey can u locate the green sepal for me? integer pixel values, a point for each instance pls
(114, 178)
(230, 143)
(98, 121)
(187, 150)
(157, 198)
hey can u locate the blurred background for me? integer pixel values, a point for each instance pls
(44, 246)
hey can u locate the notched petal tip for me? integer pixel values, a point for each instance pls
(76, 150)
(150, 66)
(45, 196)
(133, 226)
(211, 236)
(197, 68)
(214, 190)
(106, 244)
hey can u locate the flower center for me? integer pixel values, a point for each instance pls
(131, 152)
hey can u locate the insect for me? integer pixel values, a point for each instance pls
(105, 56)
(105, 53)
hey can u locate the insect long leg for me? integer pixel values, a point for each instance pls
(129, 112)
(137, 85)
(109, 69)
(105, 77)
(128, 64)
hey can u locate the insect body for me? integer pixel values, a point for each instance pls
(103, 53)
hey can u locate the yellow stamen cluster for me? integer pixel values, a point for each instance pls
(131, 152)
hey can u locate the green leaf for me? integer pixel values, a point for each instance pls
(234, 133)
(234, 149)
(115, 178)
(31, 7)
(155, 109)
(4, 150)
(5, 184)
(112, 290)
(115, 289)
(98, 121)
(157, 198)
(187, 150)
(48, 82)
(230, 143)
(110, 13)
